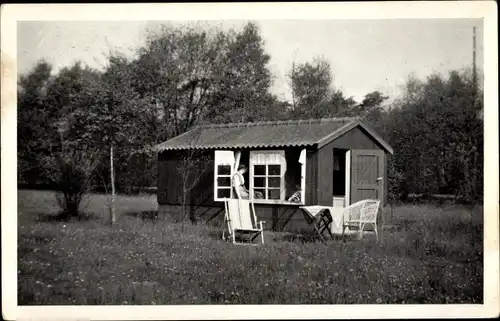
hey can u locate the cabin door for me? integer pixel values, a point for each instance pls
(367, 168)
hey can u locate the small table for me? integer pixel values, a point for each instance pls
(320, 217)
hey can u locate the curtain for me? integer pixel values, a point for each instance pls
(224, 157)
(266, 158)
(237, 161)
(302, 157)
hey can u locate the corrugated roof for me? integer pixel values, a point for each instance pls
(258, 134)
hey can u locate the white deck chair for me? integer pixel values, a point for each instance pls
(239, 219)
(359, 214)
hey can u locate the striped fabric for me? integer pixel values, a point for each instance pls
(295, 197)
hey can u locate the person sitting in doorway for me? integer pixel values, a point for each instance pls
(239, 184)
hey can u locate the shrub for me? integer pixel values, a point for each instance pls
(72, 172)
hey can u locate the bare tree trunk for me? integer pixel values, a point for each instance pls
(183, 215)
(113, 216)
(293, 89)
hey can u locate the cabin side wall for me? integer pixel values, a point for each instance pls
(283, 218)
(353, 139)
(386, 179)
(311, 192)
(200, 201)
(170, 180)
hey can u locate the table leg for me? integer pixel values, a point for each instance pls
(319, 233)
(325, 221)
(328, 223)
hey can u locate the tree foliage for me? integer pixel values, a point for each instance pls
(34, 121)
(438, 136)
(184, 76)
(311, 88)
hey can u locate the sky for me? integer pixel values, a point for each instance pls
(365, 55)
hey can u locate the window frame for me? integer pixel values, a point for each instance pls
(216, 178)
(266, 188)
(281, 201)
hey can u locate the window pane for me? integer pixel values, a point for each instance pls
(274, 194)
(223, 192)
(274, 169)
(259, 169)
(224, 170)
(274, 181)
(224, 181)
(259, 182)
(259, 194)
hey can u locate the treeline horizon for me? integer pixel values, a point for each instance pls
(185, 76)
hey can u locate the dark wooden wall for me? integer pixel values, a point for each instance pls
(356, 138)
(170, 180)
(311, 192)
(280, 218)
(201, 199)
(386, 179)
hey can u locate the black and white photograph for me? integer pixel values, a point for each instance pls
(321, 156)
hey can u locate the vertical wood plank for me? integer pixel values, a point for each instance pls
(367, 166)
(348, 178)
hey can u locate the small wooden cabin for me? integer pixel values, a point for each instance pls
(332, 162)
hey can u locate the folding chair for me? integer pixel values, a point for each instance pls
(240, 218)
(359, 214)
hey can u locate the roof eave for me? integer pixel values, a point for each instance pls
(341, 131)
(179, 148)
(377, 137)
(164, 146)
(336, 134)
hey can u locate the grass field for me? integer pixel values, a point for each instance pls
(431, 255)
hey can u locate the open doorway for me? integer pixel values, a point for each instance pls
(341, 176)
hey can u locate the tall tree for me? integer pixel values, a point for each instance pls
(34, 120)
(176, 70)
(436, 129)
(244, 95)
(113, 122)
(340, 105)
(69, 160)
(311, 88)
(372, 110)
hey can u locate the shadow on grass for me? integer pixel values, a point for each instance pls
(150, 216)
(302, 238)
(217, 235)
(314, 238)
(62, 217)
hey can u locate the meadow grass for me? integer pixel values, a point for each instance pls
(430, 255)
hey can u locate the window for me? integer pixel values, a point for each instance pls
(224, 162)
(273, 176)
(267, 169)
(267, 181)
